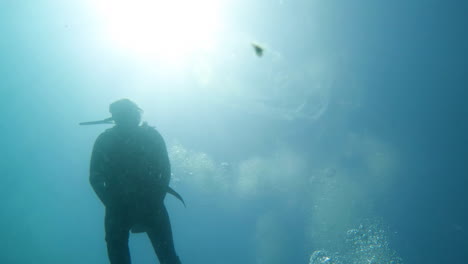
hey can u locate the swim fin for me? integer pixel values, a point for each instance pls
(176, 194)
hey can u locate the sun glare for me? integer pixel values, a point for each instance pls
(165, 30)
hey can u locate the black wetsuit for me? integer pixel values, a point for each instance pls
(130, 173)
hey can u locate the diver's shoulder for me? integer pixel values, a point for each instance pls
(146, 127)
(106, 134)
(104, 140)
(150, 130)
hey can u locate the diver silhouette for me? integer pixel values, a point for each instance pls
(130, 173)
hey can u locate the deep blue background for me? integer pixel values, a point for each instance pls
(400, 75)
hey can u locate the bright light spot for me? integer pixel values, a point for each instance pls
(166, 30)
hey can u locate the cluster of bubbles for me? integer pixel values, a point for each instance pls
(252, 177)
(323, 256)
(199, 169)
(367, 244)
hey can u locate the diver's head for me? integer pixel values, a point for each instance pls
(125, 113)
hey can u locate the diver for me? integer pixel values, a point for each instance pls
(130, 173)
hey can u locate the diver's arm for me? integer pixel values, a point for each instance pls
(166, 165)
(163, 160)
(97, 176)
(165, 170)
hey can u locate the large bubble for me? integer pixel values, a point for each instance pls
(273, 87)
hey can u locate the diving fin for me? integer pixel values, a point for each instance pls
(104, 121)
(176, 194)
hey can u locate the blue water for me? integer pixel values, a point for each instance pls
(346, 142)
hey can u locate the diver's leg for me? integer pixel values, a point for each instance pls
(117, 234)
(160, 234)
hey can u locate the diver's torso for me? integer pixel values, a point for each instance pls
(134, 168)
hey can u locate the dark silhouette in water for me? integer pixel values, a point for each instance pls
(258, 50)
(130, 173)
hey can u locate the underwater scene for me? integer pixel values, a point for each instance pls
(233, 131)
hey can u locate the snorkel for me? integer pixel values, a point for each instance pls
(109, 120)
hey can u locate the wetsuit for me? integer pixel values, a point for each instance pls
(130, 173)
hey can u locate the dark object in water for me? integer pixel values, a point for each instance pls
(105, 121)
(176, 194)
(258, 49)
